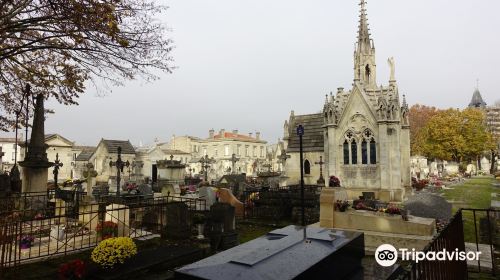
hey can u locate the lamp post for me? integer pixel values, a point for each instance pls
(300, 133)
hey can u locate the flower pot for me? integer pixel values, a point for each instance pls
(200, 228)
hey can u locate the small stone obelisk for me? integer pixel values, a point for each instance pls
(35, 165)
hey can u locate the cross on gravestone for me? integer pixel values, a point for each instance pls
(205, 164)
(57, 164)
(321, 180)
(90, 173)
(234, 159)
(171, 157)
(119, 164)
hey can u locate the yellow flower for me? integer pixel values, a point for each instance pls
(113, 250)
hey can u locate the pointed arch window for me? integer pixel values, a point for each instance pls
(373, 152)
(307, 167)
(346, 152)
(364, 152)
(354, 152)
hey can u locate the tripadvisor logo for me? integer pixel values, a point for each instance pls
(387, 255)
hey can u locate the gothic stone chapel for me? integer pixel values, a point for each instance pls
(362, 135)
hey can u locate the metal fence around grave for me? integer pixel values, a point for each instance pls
(451, 237)
(55, 231)
(279, 203)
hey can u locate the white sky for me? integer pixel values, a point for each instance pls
(245, 64)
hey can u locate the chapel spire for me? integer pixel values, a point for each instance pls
(364, 54)
(364, 42)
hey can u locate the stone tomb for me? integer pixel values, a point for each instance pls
(379, 228)
(285, 254)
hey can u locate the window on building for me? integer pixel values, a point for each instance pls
(346, 152)
(226, 150)
(364, 152)
(254, 151)
(247, 151)
(354, 152)
(261, 151)
(373, 152)
(238, 150)
(307, 167)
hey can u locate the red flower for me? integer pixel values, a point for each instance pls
(72, 270)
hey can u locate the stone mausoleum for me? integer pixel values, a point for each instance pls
(362, 134)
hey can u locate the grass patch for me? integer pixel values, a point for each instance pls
(473, 193)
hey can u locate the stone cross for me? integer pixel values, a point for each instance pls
(234, 159)
(320, 162)
(90, 173)
(205, 164)
(119, 168)
(57, 164)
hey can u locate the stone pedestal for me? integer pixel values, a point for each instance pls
(34, 179)
(327, 205)
(120, 215)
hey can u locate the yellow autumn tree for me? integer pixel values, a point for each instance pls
(456, 135)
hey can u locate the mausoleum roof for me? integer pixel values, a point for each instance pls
(312, 141)
(112, 146)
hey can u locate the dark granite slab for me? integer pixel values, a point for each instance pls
(285, 254)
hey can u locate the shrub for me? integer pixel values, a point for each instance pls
(72, 270)
(113, 250)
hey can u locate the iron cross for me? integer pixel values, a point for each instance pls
(320, 162)
(57, 164)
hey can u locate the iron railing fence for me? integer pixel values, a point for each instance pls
(29, 234)
(451, 238)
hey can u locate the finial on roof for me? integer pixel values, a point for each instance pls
(404, 101)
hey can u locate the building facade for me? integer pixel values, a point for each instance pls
(362, 134)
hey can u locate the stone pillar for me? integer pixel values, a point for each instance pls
(35, 164)
(326, 207)
(331, 154)
(405, 156)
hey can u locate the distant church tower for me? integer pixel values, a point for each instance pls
(362, 134)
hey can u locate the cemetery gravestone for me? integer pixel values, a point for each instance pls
(177, 220)
(222, 226)
(428, 205)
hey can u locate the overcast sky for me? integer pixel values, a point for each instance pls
(245, 64)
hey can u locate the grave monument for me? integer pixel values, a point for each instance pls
(362, 134)
(35, 165)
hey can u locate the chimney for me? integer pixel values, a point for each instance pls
(211, 133)
(235, 131)
(250, 134)
(221, 132)
(257, 135)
